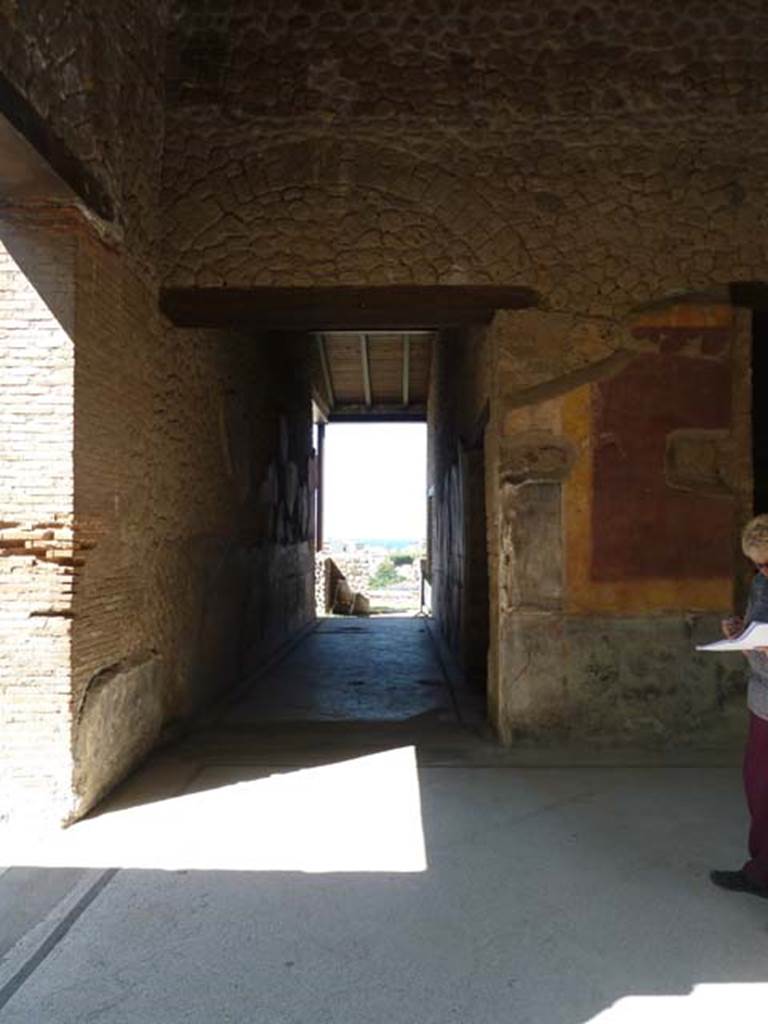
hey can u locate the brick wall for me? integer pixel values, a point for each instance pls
(192, 504)
(36, 515)
(156, 535)
(162, 477)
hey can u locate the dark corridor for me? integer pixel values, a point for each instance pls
(760, 410)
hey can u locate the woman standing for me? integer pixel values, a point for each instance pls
(753, 877)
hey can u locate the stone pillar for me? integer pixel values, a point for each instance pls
(531, 468)
(537, 357)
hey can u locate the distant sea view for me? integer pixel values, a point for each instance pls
(392, 544)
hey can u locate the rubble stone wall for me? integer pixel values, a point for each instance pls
(601, 155)
(91, 77)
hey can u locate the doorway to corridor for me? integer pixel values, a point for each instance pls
(373, 655)
(372, 555)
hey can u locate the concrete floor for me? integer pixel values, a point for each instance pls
(396, 868)
(376, 669)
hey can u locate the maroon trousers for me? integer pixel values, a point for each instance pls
(756, 789)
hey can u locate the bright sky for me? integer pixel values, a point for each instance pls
(375, 481)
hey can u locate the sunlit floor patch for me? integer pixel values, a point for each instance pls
(358, 815)
(715, 1003)
(706, 1003)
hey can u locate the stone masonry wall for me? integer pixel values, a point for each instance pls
(604, 155)
(93, 73)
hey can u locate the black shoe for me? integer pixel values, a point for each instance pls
(737, 881)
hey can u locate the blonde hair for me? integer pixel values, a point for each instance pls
(754, 536)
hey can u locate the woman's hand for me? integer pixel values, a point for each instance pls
(732, 627)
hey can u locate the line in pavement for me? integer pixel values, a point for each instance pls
(30, 965)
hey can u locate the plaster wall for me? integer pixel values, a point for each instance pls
(615, 519)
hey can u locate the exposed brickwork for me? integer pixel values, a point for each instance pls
(36, 516)
(156, 529)
(190, 446)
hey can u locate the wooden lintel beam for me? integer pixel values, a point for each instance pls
(37, 166)
(342, 308)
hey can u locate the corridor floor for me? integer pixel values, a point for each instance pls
(361, 669)
(338, 856)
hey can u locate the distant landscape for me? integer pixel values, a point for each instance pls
(378, 542)
(386, 571)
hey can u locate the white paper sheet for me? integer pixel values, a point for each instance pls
(755, 635)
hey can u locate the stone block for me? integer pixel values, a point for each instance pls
(618, 681)
(532, 545)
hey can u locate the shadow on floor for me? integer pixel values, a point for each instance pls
(479, 895)
(356, 670)
(289, 862)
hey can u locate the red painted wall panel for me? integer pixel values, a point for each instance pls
(641, 526)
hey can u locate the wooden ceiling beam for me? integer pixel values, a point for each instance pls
(406, 370)
(366, 364)
(326, 370)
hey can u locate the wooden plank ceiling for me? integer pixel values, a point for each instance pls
(376, 374)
